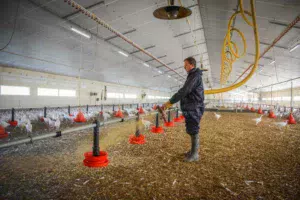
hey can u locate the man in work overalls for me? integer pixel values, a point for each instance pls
(191, 97)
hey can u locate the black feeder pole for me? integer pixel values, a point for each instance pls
(137, 132)
(12, 114)
(69, 110)
(177, 112)
(45, 112)
(156, 121)
(87, 108)
(113, 107)
(169, 116)
(96, 146)
(122, 106)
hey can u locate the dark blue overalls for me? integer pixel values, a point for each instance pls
(191, 97)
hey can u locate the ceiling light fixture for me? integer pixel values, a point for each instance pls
(169, 76)
(122, 53)
(80, 33)
(146, 65)
(271, 63)
(172, 12)
(295, 47)
(159, 72)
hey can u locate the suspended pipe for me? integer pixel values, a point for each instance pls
(275, 84)
(59, 133)
(106, 25)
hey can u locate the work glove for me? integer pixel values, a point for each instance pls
(166, 105)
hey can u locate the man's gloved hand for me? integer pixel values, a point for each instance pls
(166, 105)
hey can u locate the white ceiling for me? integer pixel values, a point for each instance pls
(43, 40)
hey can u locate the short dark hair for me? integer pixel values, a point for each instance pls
(191, 60)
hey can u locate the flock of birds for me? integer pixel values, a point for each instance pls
(55, 117)
(278, 111)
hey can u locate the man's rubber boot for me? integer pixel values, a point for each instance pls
(194, 156)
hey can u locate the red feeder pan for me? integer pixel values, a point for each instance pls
(42, 119)
(13, 123)
(71, 115)
(182, 117)
(119, 114)
(260, 111)
(291, 119)
(272, 115)
(252, 109)
(179, 119)
(141, 111)
(247, 108)
(155, 129)
(137, 140)
(95, 161)
(80, 117)
(3, 134)
(169, 124)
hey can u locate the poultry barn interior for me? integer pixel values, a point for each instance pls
(88, 111)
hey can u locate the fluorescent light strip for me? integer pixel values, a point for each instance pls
(159, 72)
(169, 76)
(146, 65)
(271, 63)
(81, 33)
(295, 47)
(122, 53)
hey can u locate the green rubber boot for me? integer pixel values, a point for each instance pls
(193, 155)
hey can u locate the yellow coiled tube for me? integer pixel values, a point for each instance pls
(230, 50)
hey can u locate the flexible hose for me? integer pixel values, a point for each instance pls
(230, 51)
(234, 51)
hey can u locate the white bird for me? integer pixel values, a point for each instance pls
(46, 120)
(28, 127)
(266, 112)
(128, 111)
(106, 116)
(4, 124)
(57, 124)
(131, 115)
(51, 123)
(281, 124)
(217, 116)
(257, 120)
(146, 123)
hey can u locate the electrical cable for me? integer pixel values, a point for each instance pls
(14, 28)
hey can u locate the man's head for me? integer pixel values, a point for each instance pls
(189, 63)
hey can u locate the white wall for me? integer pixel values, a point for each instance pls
(32, 79)
(282, 93)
